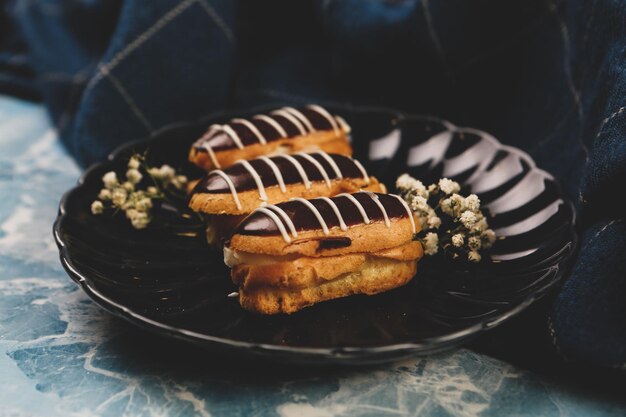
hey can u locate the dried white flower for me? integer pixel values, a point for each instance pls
(144, 204)
(419, 203)
(128, 204)
(166, 173)
(433, 222)
(472, 234)
(448, 186)
(474, 256)
(488, 238)
(140, 220)
(472, 202)
(110, 180)
(134, 163)
(130, 197)
(133, 175)
(97, 207)
(119, 196)
(131, 213)
(105, 194)
(211, 235)
(481, 225)
(179, 181)
(468, 218)
(458, 240)
(155, 172)
(446, 206)
(431, 243)
(452, 205)
(474, 243)
(406, 183)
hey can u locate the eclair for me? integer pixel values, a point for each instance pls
(226, 196)
(282, 131)
(291, 255)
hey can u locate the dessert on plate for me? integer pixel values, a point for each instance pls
(282, 131)
(226, 196)
(291, 255)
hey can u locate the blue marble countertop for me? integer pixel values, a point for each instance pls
(60, 355)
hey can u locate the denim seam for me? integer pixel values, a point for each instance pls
(79, 82)
(608, 119)
(612, 222)
(131, 103)
(588, 25)
(435, 39)
(554, 341)
(139, 41)
(569, 74)
(218, 20)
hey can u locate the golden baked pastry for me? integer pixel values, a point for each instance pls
(227, 196)
(283, 131)
(294, 254)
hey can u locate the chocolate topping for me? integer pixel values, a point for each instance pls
(335, 242)
(259, 223)
(219, 140)
(242, 179)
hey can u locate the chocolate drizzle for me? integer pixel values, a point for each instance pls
(307, 119)
(214, 183)
(334, 242)
(302, 217)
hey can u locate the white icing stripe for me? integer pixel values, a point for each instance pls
(211, 155)
(276, 171)
(332, 204)
(358, 205)
(326, 115)
(300, 117)
(319, 167)
(286, 219)
(252, 128)
(298, 166)
(202, 143)
(233, 135)
(408, 211)
(231, 186)
(273, 123)
(281, 219)
(277, 221)
(315, 212)
(291, 118)
(332, 163)
(344, 125)
(366, 178)
(207, 135)
(256, 177)
(376, 200)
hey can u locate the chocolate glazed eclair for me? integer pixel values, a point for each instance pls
(226, 196)
(294, 254)
(283, 131)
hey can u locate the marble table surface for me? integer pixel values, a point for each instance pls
(60, 355)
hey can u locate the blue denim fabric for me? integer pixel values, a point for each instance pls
(544, 75)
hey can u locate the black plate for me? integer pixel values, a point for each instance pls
(168, 281)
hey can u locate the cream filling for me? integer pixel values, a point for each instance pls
(233, 258)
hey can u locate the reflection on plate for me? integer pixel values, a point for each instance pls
(167, 280)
